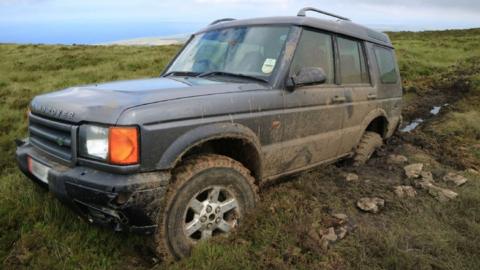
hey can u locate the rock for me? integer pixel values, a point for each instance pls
(427, 176)
(341, 217)
(372, 205)
(425, 180)
(472, 171)
(350, 177)
(423, 184)
(457, 179)
(328, 237)
(397, 159)
(441, 194)
(329, 234)
(405, 191)
(341, 232)
(413, 170)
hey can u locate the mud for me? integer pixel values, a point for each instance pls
(436, 99)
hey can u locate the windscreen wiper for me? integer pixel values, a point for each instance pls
(181, 73)
(238, 75)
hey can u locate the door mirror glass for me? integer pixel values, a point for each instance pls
(308, 76)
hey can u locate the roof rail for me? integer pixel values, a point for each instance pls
(302, 13)
(222, 20)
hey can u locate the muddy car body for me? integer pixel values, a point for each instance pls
(244, 100)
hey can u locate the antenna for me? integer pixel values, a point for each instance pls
(302, 13)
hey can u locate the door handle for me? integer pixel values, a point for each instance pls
(339, 99)
(372, 96)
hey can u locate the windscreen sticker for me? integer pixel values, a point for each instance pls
(269, 65)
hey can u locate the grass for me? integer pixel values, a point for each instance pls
(425, 54)
(38, 232)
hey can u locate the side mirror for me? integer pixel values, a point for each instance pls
(307, 76)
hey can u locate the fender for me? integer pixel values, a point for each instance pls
(378, 112)
(199, 135)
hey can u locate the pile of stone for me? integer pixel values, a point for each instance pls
(341, 225)
(424, 180)
(371, 205)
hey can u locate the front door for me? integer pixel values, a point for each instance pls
(313, 115)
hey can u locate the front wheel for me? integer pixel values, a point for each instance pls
(209, 197)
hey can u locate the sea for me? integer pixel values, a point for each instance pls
(91, 33)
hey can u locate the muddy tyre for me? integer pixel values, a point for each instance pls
(369, 143)
(208, 198)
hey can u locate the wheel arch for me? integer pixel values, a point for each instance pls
(230, 139)
(376, 121)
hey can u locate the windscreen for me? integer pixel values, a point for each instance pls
(253, 51)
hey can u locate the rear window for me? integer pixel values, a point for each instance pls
(353, 67)
(386, 65)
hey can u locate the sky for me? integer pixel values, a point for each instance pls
(97, 21)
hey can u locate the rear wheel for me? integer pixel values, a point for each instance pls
(369, 143)
(209, 197)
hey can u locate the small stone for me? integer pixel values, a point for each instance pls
(427, 176)
(425, 180)
(472, 171)
(350, 177)
(442, 194)
(405, 191)
(457, 179)
(341, 232)
(340, 216)
(413, 170)
(423, 184)
(372, 205)
(397, 159)
(329, 235)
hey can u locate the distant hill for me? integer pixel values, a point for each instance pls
(150, 41)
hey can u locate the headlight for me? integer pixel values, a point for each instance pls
(93, 142)
(117, 145)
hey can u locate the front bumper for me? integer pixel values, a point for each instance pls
(121, 202)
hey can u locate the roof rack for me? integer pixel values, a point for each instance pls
(222, 20)
(302, 13)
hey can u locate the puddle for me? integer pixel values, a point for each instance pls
(412, 125)
(415, 123)
(436, 110)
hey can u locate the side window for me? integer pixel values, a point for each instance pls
(386, 65)
(315, 50)
(353, 67)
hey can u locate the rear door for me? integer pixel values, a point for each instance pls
(360, 93)
(314, 113)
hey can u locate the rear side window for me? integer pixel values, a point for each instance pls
(386, 65)
(315, 50)
(353, 67)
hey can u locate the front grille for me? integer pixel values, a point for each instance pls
(55, 138)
